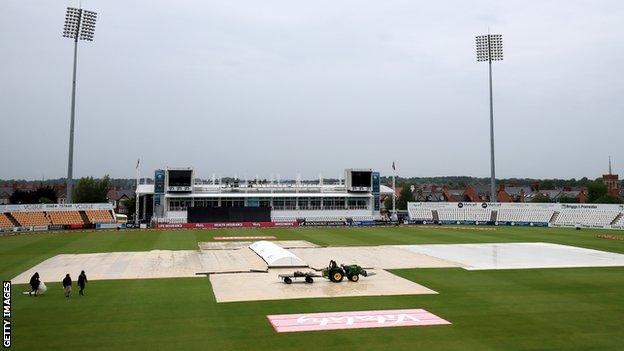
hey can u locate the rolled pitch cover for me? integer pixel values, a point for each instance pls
(40, 291)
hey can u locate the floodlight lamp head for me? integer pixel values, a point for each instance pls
(79, 24)
(489, 47)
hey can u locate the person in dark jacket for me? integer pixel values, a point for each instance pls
(67, 284)
(82, 282)
(34, 284)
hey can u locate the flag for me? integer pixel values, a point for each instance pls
(138, 161)
(393, 166)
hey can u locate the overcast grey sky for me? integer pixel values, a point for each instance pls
(286, 87)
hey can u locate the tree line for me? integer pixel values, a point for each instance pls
(460, 182)
(86, 190)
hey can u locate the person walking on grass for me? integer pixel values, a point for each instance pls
(34, 284)
(82, 282)
(67, 284)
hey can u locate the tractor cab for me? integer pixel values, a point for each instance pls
(336, 273)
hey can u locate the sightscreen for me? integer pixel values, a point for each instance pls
(228, 214)
(180, 177)
(361, 179)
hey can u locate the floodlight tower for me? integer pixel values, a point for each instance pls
(79, 25)
(490, 48)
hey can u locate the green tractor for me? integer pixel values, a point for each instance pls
(336, 273)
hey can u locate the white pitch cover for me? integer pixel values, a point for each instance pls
(276, 256)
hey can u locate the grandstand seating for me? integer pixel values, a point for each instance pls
(586, 217)
(421, 214)
(65, 217)
(27, 219)
(321, 215)
(5, 222)
(597, 216)
(99, 216)
(529, 215)
(321, 218)
(465, 214)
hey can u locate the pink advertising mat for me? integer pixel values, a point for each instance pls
(285, 323)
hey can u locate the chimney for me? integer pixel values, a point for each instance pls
(535, 186)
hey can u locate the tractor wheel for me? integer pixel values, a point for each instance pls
(337, 277)
(309, 280)
(287, 280)
(354, 278)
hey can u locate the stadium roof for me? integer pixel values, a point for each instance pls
(145, 189)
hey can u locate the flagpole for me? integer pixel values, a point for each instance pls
(393, 196)
(394, 216)
(136, 196)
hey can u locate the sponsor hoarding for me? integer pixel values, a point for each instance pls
(225, 225)
(362, 223)
(512, 205)
(581, 225)
(324, 224)
(109, 225)
(55, 207)
(524, 224)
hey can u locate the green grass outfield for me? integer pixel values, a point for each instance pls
(535, 309)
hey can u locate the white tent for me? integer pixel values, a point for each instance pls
(385, 190)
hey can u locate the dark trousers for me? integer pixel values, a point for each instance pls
(82, 287)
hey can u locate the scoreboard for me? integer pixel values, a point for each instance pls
(359, 180)
(180, 180)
